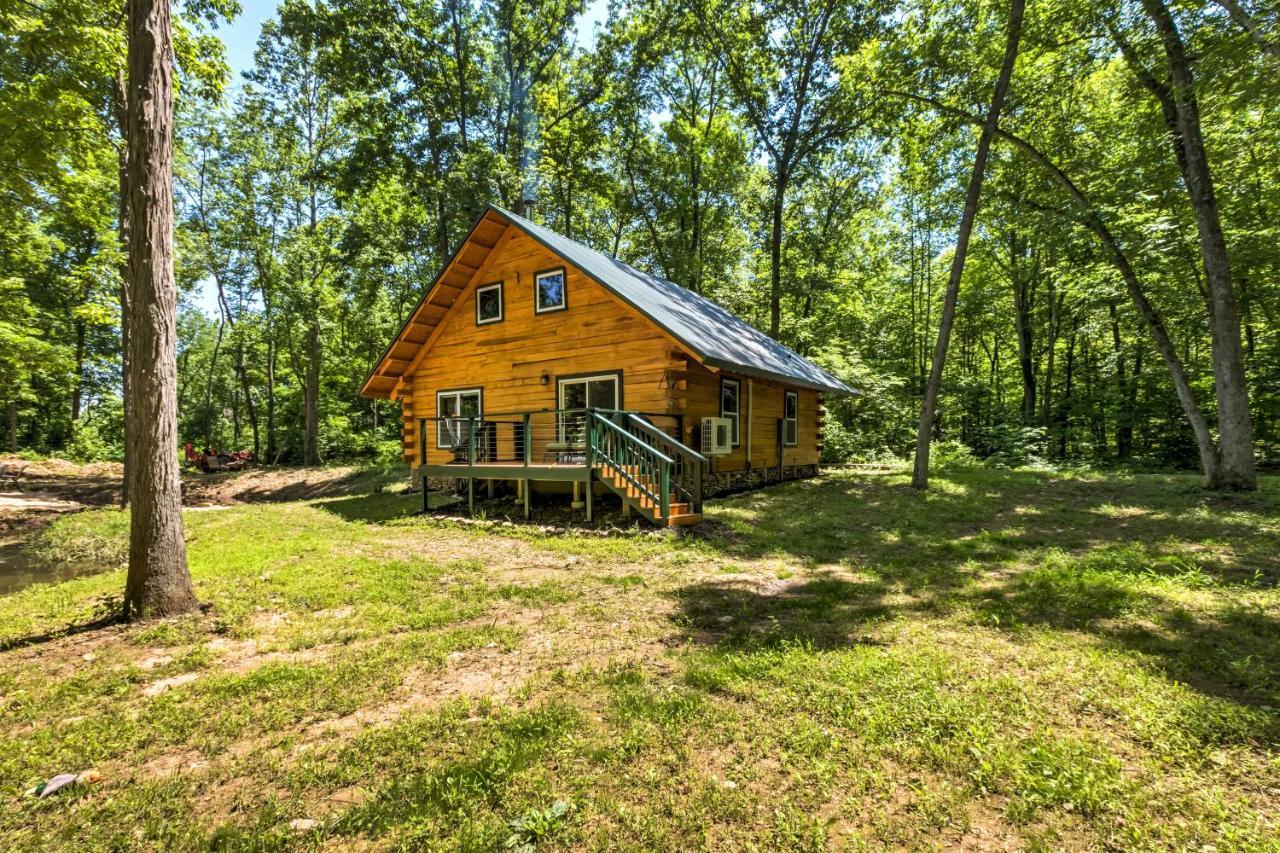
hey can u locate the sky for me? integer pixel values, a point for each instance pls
(241, 39)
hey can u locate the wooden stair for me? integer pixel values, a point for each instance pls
(678, 514)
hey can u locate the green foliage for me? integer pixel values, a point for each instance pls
(317, 203)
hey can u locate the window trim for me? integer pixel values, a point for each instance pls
(795, 421)
(736, 417)
(497, 285)
(537, 291)
(615, 375)
(458, 393)
(562, 430)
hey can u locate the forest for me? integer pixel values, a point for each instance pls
(802, 163)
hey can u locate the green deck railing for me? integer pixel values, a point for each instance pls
(635, 461)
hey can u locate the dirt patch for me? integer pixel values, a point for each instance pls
(257, 485)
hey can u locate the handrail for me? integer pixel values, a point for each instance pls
(611, 425)
(681, 448)
(625, 453)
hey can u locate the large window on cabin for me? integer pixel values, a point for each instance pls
(575, 393)
(550, 291)
(730, 404)
(790, 418)
(489, 304)
(455, 410)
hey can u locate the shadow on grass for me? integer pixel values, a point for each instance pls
(995, 516)
(1120, 560)
(381, 507)
(826, 612)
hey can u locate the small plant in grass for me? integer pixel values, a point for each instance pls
(536, 825)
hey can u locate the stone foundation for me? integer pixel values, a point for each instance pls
(726, 482)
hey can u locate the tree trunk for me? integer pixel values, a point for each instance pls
(1236, 468)
(311, 399)
(1055, 320)
(119, 104)
(13, 426)
(775, 254)
(77, 391)
(208, 385)
(271, 401)
(1022, 305)
(920, 476)
(1064, 407)
(158, 583)
(1124, 417)
(249, 406)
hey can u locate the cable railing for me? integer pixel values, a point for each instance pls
(643, 449)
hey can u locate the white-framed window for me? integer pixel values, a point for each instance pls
(550, 291)
(731, 404)
(489, 304)
(790, 418)
(598, 391)
(455, 409)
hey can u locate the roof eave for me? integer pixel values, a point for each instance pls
(435, 282)
(786, 379)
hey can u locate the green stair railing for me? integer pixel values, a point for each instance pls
(638, 463)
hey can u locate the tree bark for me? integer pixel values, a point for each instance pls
(311, 399)
(775, 255)
(920, 476)
(1023, 298)
(158, 583)
(249, 406)
(1236, 465)
(271, 400)
(13, 426)
(119, 105)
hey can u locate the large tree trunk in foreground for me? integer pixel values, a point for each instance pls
(1236, 467)
(158, 583)
(920, 476)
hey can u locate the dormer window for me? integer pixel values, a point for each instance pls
(489, 304)
(550, 293)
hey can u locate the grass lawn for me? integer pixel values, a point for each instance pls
(1012, 660)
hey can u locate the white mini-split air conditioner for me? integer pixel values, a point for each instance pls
(717, 436)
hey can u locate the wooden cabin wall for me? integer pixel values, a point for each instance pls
(596, 333)
(702, 399)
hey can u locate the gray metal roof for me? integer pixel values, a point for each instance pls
(713, 334)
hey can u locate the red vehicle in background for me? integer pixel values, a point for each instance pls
(212, 461)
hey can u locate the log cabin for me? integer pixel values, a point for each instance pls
(536, 364)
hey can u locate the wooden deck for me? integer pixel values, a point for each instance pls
(650, 471)
(562, 472)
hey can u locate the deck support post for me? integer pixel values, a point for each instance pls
(426, 493)
(577, 495)
(490, 482)
(471, 495)
(525, 484)
(590, 501)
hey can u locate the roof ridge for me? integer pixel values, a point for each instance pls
(718, 353)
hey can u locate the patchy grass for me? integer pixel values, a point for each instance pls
(1009, 660)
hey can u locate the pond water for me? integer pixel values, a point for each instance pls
(20, 569)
